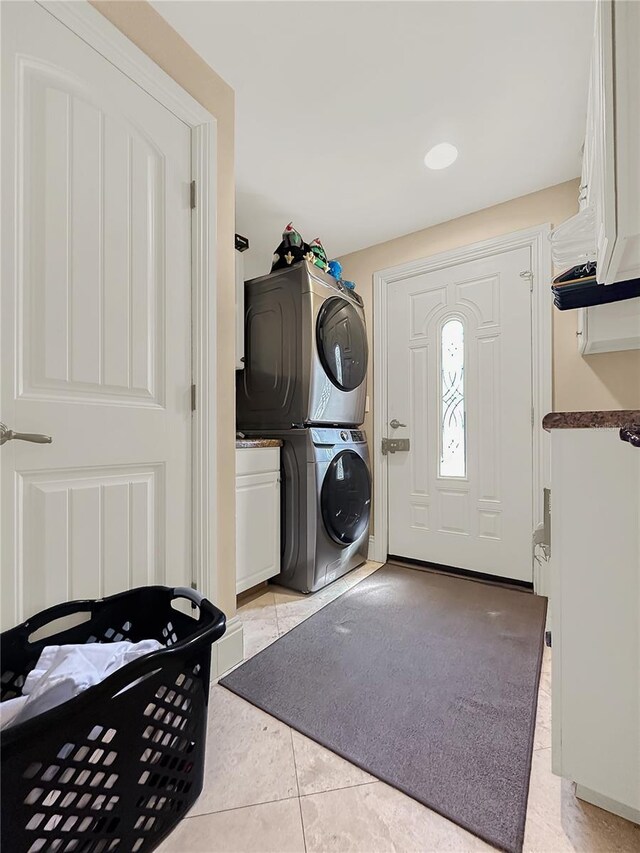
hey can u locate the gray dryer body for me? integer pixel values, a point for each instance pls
(305, 352)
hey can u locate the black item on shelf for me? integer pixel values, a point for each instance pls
(116, 767)
(587, 293)
(577, 274)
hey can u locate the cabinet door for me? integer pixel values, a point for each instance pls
(595, 593)
(625, 260)
(603, 178)
(257, 528)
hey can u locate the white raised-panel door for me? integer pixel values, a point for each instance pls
(459, 378)
(96, 302)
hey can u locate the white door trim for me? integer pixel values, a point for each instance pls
(542, 302)
(93, 28)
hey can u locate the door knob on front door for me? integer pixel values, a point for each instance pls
(7, 434)
(395, 423)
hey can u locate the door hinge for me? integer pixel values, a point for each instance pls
(193, 195)
(193, 398)
(533, 416)
(528, 274)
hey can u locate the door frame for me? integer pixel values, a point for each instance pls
(536, 239)
(100, 34)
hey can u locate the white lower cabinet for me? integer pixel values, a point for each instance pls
(257, 515)
(595, 597)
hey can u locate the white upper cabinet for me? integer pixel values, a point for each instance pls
(611, 167)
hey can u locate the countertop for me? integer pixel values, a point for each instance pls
(614, 419)
(257, 442)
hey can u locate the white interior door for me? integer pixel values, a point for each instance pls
(459, 378)
(96, 342)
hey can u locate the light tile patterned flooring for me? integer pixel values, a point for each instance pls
(269, 789)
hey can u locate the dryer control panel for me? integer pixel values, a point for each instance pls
(322, 437)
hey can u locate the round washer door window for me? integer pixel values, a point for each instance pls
(345, 498)
(342, 343)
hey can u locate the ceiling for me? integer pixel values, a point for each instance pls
(337, 103)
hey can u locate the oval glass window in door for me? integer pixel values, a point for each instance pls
(342, 343)
(345, 498)
(453, 438)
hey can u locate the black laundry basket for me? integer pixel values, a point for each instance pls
(119, 765)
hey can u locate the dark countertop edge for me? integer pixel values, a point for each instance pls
(247, 443)
(614, 419)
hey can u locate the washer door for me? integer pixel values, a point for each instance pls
(345, 498)
(342, 343)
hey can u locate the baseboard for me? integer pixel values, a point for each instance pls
(606, 803)
(372, 548)
(228, 651)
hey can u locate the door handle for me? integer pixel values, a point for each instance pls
(395, 423)
(7, 434)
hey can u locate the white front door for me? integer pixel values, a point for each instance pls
(96, 342)
(459, 382)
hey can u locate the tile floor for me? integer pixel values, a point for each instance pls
(282, 793)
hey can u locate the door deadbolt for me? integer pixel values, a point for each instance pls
(395, 445)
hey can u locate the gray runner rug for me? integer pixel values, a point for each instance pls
(426, 681)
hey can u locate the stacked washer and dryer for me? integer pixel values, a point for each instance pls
(304, 382)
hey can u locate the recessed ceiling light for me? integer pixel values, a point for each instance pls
(441, 156)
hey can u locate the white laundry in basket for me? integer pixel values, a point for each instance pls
(63, 672)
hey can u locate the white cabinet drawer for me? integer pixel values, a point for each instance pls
(257, 460)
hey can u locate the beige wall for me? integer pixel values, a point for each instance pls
(604, 381)
(151, 33)
(608, 380)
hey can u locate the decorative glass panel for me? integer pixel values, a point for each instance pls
(453, 450)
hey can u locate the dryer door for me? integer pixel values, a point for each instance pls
(342, 343)
(345, 498)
